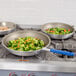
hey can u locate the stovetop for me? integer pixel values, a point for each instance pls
(67, 44)
(44, 61)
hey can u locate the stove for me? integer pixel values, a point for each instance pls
(43, 64)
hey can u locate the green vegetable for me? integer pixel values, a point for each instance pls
(58, 31)
(26, 44)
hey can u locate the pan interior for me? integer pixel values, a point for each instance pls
(22, 34)
(54, 25)
(8, 24)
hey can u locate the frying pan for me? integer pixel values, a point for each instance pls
(32, 33)
(60, 25)
(10, 25)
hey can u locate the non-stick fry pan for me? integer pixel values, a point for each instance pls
(60, 25)
(39, 35)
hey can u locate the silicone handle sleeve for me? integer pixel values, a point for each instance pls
(62, 52)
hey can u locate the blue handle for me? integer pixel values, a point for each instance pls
(62, 52)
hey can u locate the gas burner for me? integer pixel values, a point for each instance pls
(48, 56)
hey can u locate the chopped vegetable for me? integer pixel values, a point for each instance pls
(26, 44)
(58, 31)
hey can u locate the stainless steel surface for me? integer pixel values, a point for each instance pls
(33, 73)
(61, 25)
(53, 66)
(25, 33)
(45, 61)
(10, 25)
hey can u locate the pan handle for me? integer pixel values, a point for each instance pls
(62, 52)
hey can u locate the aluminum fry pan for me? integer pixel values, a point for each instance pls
(25, 33)
(10, 25)
(60, 25)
